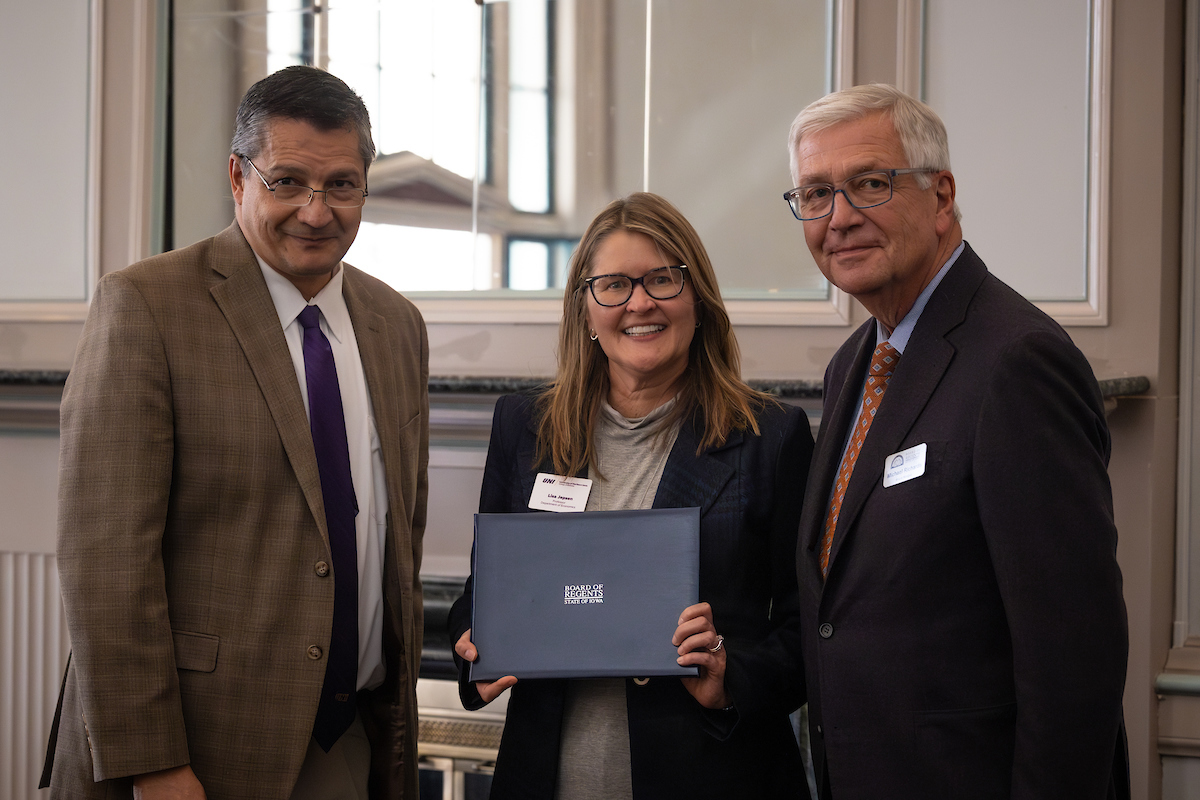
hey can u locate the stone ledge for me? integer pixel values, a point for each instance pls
(804, 388)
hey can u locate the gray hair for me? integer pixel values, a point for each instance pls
(920, 130)
(306, 94)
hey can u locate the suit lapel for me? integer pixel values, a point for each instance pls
(841, 409)
(921, 368)
(370, 331)
(907, 393)
(247, 306)
(689, 480)
(526, 452)
(378, 361)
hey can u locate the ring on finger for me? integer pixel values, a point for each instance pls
(720, 643)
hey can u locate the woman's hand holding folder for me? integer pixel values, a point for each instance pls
(488, 690)
(701, 646)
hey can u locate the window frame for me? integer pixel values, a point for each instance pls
(75, 311)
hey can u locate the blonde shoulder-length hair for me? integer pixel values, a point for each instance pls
(713, 394)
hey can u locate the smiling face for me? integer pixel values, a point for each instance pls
(305, 244)
(883, 256)
(646, 340)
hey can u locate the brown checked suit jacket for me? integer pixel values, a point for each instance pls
(191, 524)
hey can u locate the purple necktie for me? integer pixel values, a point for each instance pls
(328, 424)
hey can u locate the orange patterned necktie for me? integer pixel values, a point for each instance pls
(883, 364)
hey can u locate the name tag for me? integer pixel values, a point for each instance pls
(557, 493)
(904, 466)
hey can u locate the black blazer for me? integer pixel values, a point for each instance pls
(749, 491)
(970, 640)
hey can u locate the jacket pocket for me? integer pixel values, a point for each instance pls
(967, 754)
(195, 651)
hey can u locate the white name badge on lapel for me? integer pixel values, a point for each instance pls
(904, 466)
(556, 493)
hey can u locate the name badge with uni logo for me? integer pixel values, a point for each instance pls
(905, 465)
(558, 493)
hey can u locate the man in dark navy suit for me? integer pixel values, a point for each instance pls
(964, 629)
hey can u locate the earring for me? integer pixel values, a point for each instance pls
(697, 323)
(594, 336)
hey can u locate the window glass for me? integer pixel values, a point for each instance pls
(503, 128)
(414, 259)
(528, 265)
(419, 66)
(289, 34)
(530, 38)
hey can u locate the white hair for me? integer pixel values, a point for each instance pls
(919, 128)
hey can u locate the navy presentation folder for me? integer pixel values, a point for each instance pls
(582, 595)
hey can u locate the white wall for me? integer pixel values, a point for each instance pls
(28, 490)
(45, 61)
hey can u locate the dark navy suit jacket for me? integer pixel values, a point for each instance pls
(749, 491)
(970, 640)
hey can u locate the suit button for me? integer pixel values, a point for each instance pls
(826, 630)
(322, 569)
(314, 652)
(819, 729)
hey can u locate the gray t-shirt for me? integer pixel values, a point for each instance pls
(593, 758)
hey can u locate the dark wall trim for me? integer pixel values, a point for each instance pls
(801, 389)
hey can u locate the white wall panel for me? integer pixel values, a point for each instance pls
(45, 55)
(33, 654)
(1013, 82)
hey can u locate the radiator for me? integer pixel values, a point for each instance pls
(33, 655)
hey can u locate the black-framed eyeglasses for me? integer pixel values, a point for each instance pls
(291, 194)
(615, 290)
(870, 189)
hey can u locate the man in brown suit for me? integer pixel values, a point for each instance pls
(198, 539)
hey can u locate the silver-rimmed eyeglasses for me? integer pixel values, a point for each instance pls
(615, 290)
(870, 189)
(292, 194)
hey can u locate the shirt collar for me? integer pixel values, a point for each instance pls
(289, 302)
(902, 332)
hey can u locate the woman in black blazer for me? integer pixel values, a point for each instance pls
(645, 344)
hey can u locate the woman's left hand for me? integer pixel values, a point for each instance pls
(700, 646)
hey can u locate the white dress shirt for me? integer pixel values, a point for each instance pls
(366, 456)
